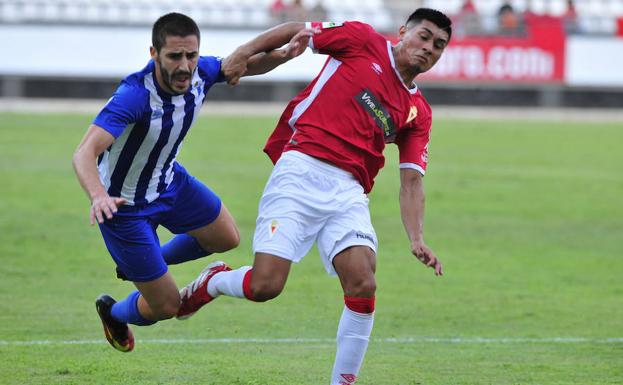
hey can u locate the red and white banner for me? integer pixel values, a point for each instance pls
(537, 58)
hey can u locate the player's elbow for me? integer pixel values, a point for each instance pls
(76, 159)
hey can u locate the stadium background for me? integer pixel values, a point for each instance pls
(80, 49)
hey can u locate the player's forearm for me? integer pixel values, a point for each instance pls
(271, 39)
(264, 62)
(412, 208)
(86, 171)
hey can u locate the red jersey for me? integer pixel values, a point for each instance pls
(354, 106)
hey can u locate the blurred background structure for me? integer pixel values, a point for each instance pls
(553, 53)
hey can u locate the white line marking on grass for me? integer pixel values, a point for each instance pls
(403, 340)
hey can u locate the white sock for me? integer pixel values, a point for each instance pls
(228, 283)
(353, 334)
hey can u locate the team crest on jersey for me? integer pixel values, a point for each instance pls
(272, 228)
(412, 114)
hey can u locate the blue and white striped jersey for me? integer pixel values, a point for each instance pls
(149, 126)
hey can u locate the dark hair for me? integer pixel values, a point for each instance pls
(172, 24)
(438, 18)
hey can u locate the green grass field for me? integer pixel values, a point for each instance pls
(527, 218)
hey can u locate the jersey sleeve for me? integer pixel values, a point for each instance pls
(124, 108)
(339, 39)
(209, 68)
(413, 145)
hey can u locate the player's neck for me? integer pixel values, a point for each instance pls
(407, 74)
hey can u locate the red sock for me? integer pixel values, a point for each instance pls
(360, 305)
(246, 285)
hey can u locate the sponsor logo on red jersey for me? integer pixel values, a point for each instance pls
(378, 112)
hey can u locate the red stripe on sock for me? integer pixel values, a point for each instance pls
(360, 305)
(246, 285)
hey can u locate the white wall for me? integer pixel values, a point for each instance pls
(115, 52)
(592, 61)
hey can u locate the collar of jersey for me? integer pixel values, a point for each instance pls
(391, 60)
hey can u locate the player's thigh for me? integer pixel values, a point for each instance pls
(356, 266)
(284, 236)
(289, 215)
(351, 227)
(134, 246)
(196, 208)
(220, 235)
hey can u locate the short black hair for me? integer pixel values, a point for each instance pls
(172, 24)
(434, 16)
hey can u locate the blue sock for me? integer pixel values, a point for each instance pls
(182, 248)
(127, 311)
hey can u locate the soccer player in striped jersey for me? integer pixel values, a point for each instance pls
(127, 165)
(327, 149)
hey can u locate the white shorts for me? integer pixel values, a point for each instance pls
(307, 200)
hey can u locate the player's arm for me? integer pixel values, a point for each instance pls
(94, 143)
(412, 212)
(235, 65)
(267, 61)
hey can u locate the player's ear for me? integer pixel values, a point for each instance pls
(153, 53)
(401, 32)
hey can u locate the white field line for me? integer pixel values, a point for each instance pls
(404, 340)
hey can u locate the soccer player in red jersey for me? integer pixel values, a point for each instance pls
(327, 149)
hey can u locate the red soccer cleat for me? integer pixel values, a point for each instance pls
(195, 294)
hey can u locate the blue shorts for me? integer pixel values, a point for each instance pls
(131, 237)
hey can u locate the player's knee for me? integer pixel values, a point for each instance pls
(233, 240)
(265, 291)
(229, 241)
(363, 287)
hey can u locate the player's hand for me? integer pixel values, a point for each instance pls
(426, 256)
(104, 206)
(235, 65)
(299, 42)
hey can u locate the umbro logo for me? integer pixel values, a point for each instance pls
(377, 68)
(349, 378)
(157, 114)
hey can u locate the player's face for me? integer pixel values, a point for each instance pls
(176, 63)
(421, 45)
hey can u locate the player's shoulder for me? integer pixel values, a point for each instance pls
(210, 60)
(422, 101)
(351, 26)
(131, 94)
(420, 109)
(355, 24)
(133, 85)
(209, 68)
